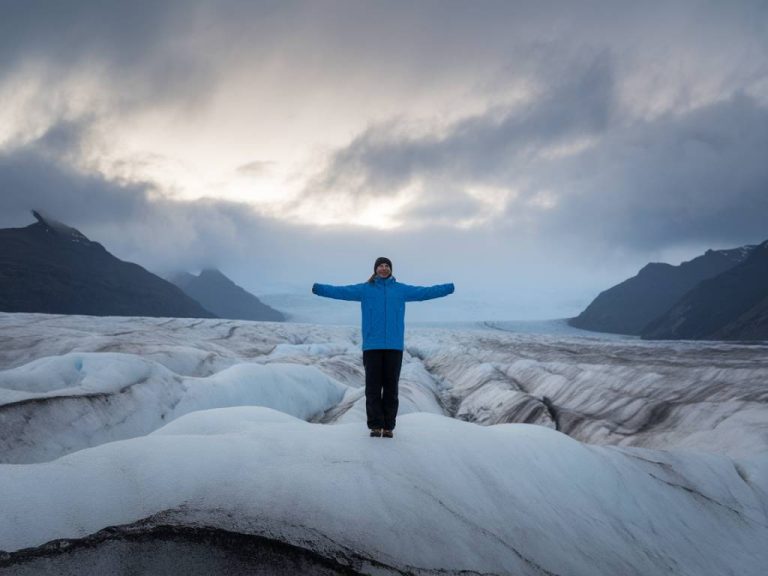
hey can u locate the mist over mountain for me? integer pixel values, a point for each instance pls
(225, 298)
(52, 268)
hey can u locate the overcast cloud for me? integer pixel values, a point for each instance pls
(532, 152)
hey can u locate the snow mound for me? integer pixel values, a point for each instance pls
(54, 406)
(443, 495)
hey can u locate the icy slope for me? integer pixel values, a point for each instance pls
(702, 396)
(153, 425)
(60, 404)
(446, 495)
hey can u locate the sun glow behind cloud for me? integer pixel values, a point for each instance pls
(35, 98)
(380, 213)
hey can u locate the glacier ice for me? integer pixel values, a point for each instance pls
(514, 453)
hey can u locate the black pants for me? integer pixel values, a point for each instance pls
(382, 373)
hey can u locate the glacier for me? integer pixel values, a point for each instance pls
(129, 440)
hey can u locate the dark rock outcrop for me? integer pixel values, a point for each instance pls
(225, 298)
(52, 268)
(730, 306)
(630, 306)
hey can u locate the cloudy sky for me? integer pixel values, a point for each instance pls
(534, 153)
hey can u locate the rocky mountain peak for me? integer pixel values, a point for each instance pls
(59, 228)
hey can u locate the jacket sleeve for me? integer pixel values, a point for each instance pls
(351, 292)
(413, 293)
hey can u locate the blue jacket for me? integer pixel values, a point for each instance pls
(383, 307)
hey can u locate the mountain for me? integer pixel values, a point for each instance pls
(629, 307)
(730, 306)
(752, 325)
(225, 298)
(52, 268)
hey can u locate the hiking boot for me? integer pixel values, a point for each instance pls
(387, 434)
(376, 432)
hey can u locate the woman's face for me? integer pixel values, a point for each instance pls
(383, 270)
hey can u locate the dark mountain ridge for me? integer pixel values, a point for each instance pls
(52, 268)
(630, 306)
(730, 306)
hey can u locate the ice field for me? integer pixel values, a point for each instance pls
(126, 441)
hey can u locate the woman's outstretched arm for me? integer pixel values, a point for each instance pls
(427, 292)
(351, 292)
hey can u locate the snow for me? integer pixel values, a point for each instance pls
(445, 495)
(259, 429)
(84, 399)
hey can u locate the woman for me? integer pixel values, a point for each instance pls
(382, 301)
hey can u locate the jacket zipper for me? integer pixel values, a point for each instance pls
(385, 314)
